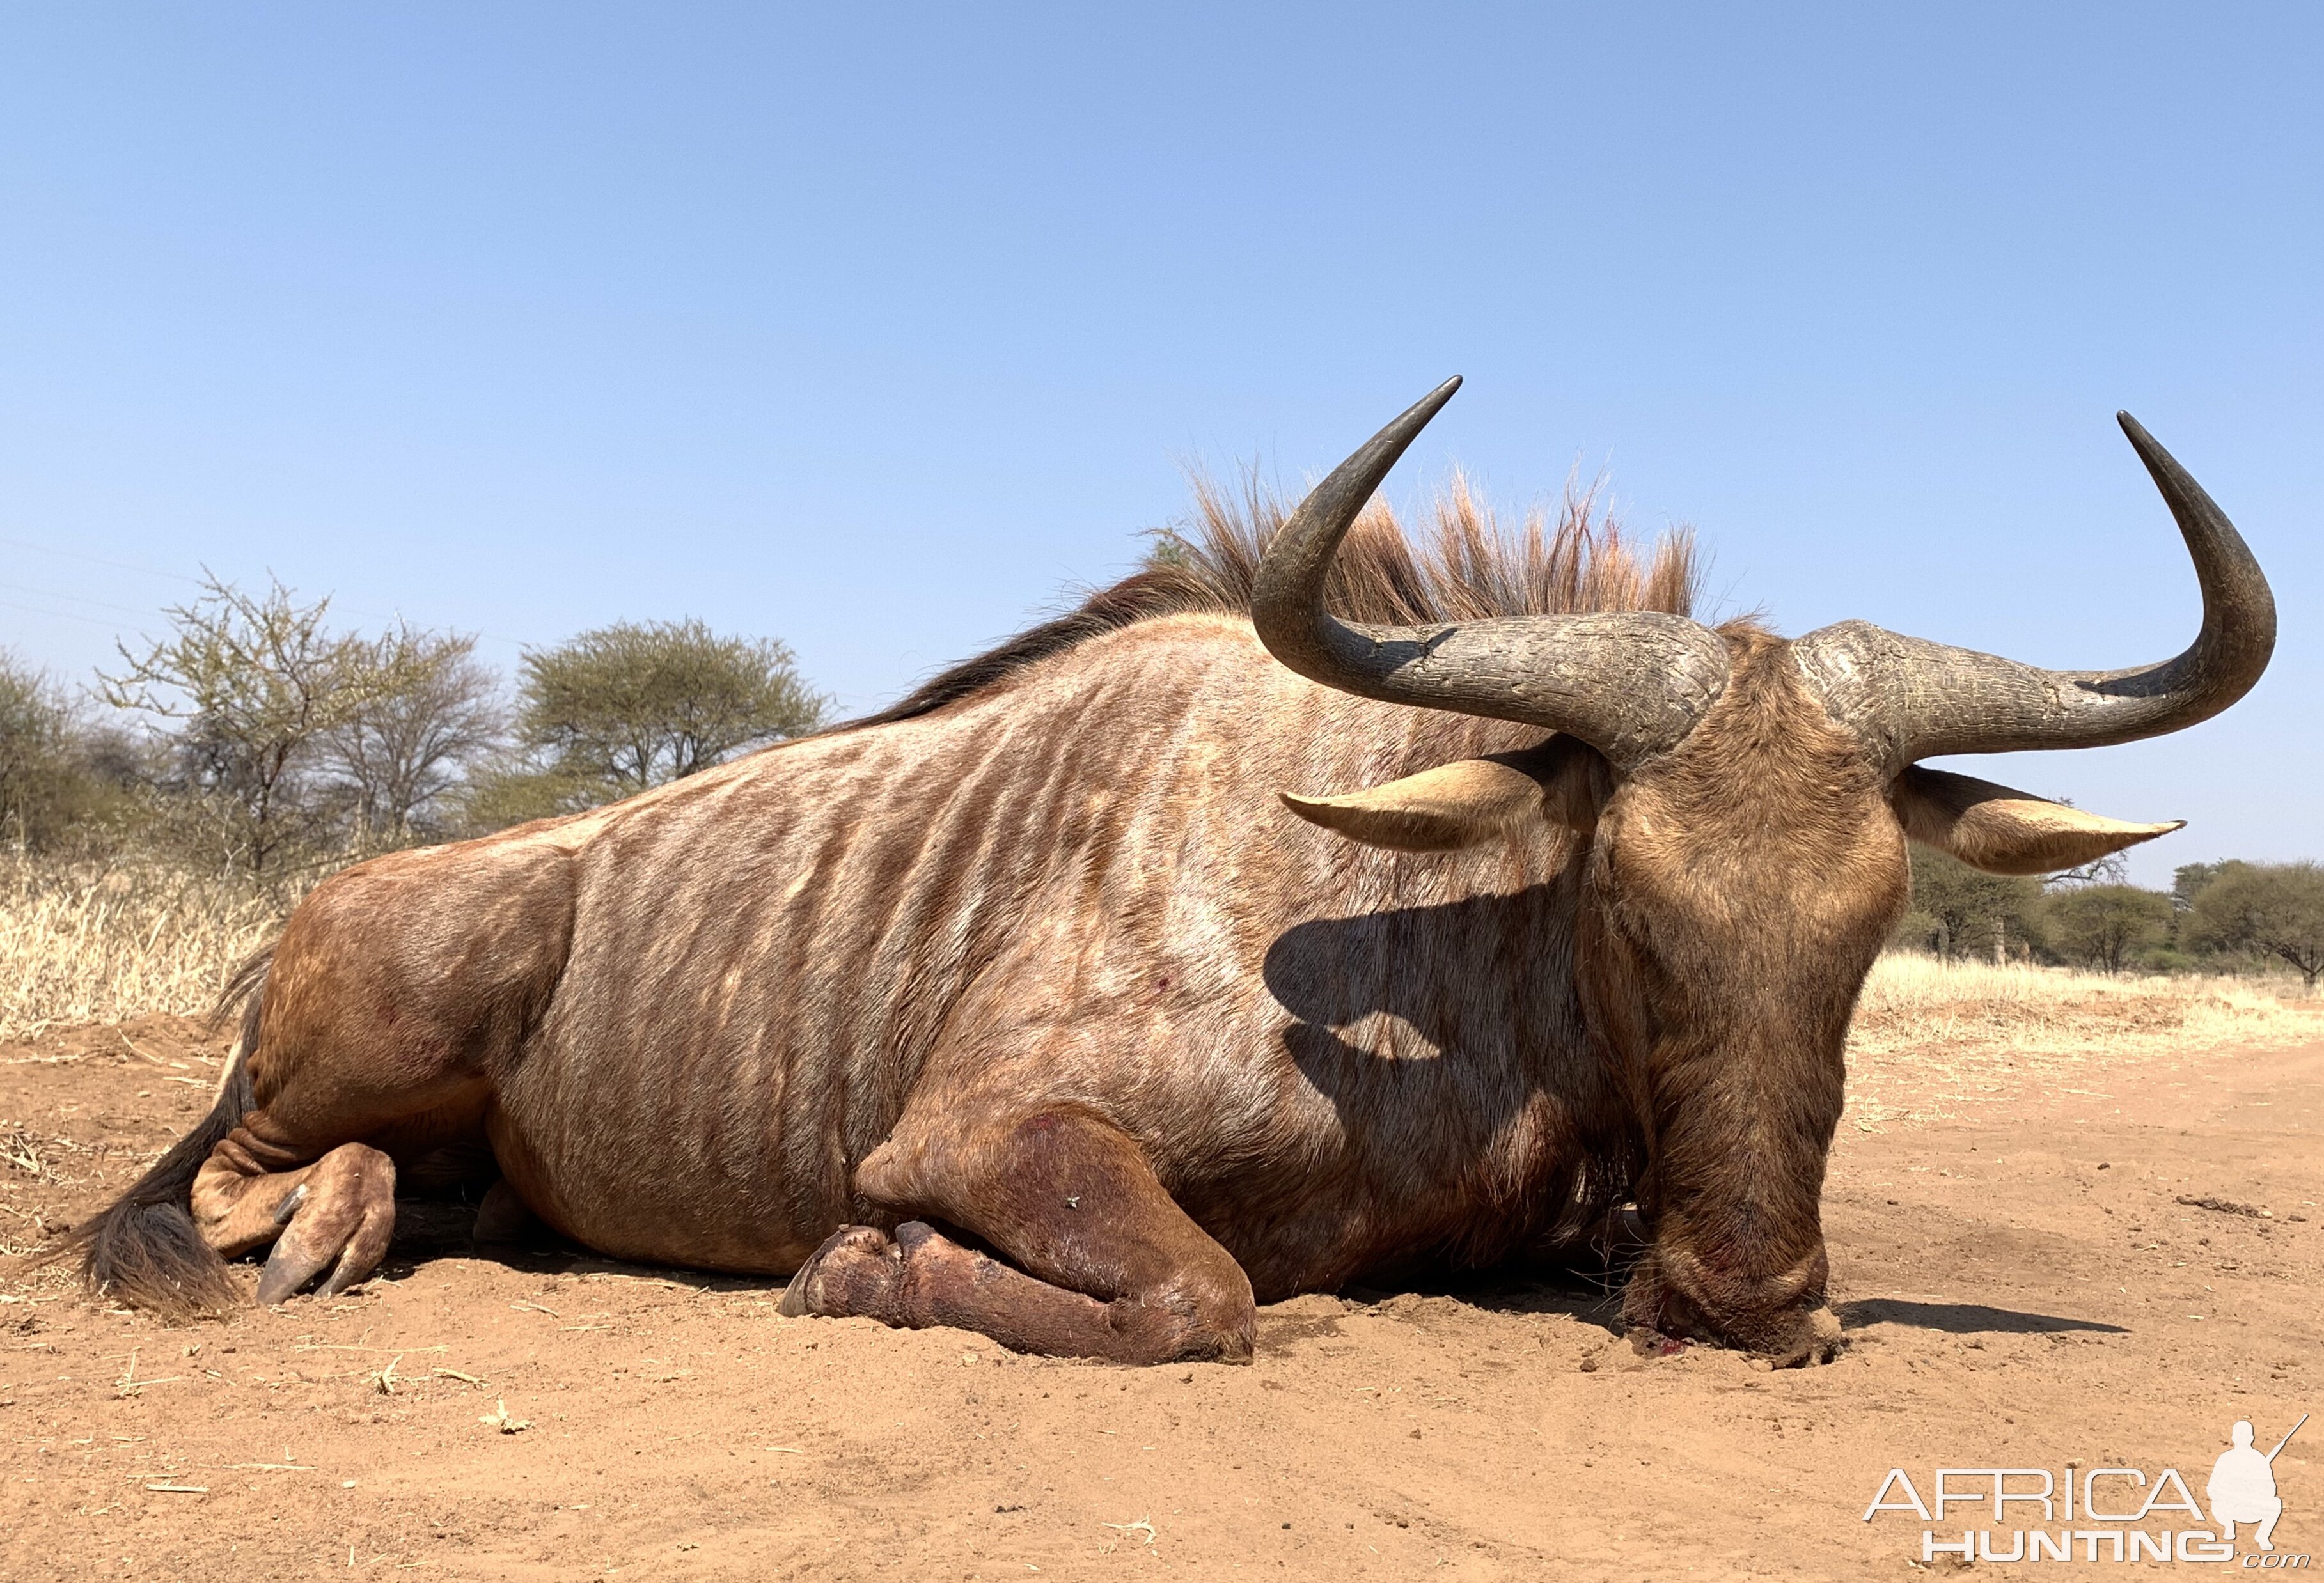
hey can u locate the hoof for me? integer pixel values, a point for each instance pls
(340, 1219)
(855, 1267)
(503, 1217)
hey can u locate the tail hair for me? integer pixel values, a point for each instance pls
(241, 990)
(143, 1249)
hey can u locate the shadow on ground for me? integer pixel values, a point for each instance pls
(1962, 1318)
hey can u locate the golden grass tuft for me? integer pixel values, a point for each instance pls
(92, 941)
(1931, 1038)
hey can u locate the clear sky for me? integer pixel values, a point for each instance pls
(876, 328)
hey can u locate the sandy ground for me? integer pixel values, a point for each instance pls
(2022, 1287)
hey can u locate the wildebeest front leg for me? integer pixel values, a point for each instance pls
(1108, 1265)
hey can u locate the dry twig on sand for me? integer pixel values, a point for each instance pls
(18, 1149)
(2226, 1206)
(499, 1420)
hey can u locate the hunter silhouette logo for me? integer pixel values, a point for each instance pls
(2104, 1513)
(2242, 1488)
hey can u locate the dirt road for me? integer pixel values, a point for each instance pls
(2024, 1290)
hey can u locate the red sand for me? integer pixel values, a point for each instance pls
(2007, 1303)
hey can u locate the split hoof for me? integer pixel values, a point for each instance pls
(855, 1272)
(340, 1218)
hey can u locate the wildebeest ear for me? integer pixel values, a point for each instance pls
(2004, 832)
(1469, 801)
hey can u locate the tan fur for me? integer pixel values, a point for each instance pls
(1077, 888)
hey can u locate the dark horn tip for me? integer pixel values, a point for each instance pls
(1286, 595)
(2159, 462)
(1417, 416)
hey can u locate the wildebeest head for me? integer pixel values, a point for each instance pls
(1745, 800)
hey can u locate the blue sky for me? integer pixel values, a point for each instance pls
(877, 331)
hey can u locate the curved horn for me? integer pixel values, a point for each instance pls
(1630, 684)
(1917, 700)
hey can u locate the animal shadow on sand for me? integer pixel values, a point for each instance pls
(1587, 1287)
(1962, 1318)
(441, 1226)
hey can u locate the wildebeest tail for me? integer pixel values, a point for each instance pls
(143, 1249)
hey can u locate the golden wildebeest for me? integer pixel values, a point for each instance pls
(1028, 1005)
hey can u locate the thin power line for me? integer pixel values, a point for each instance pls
(99, 560)
(59, 614)
(75, 599)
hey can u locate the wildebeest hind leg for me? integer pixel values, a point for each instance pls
(1109, 1265)
(338, 1211)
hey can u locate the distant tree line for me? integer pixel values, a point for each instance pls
(258, 738)
(2216, 917)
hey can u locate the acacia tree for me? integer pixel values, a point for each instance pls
(2113, 869)
(633, 705)
(257, 682)
(2187, 882)
(399, 750)
(38, 774)
(1960, 911)
(2276, 908)
(2105, 926)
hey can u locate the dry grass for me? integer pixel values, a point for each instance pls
(1931, 1038)
(90, 942)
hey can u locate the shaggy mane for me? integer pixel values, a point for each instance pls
(1467, 564)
